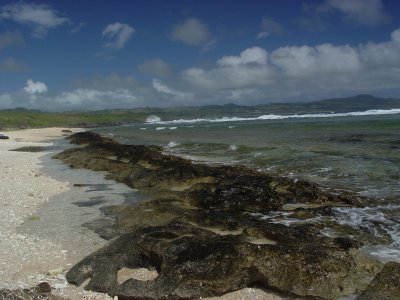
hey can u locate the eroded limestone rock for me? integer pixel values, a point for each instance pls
(209, 230)
(386, 285)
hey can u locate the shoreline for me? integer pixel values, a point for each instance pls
(25, 259)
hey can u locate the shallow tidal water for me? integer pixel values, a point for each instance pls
(356, 153)
(71, 217)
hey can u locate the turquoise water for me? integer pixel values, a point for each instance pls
(357, 153)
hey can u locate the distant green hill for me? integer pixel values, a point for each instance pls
(24, 118)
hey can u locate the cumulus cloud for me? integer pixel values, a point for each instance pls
(269, 27)
(192, 32)
(254, 75)
(307, 71)
(164, 89)
(117, 35)
(108, 91)
(364, 12)
(156, 67)
(41, 17)
(369, 13)
(35, 87)
(255, 55)
(11, 38)
(11, 65)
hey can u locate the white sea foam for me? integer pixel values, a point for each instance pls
(172, 128)
(172, 144)
(384, 253)
(142, 128)
(368, 218)
(370, 112)
(375, 221)
(232, 147)
(160, 128)
(153, 119)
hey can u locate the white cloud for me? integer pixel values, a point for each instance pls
(11, 38)
(296, 71)
(41, 17)
(364, 12)
(255, 55)
(35, 87)
(192, 32)
(95, 99)
(164, 89)
(117, 34)
(322, 59)
(269, 27)
(368, 13)
(156, 67)
(255, 75)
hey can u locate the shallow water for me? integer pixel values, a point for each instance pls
(65, 217)
(356, 153)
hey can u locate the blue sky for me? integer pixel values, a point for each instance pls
(67, 55)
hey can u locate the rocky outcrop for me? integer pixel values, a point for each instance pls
(386, 285)
(208, 230)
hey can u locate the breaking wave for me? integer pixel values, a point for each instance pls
(370, 112)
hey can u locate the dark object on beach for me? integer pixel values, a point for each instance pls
(3, 137)
(43, 287)
(209, 230)
(41, 291)
(81, 184)
(66, 131)
(29, 149)
(386, 285)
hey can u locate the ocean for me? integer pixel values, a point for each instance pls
(356, 151)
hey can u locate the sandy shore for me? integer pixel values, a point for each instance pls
(26, 260)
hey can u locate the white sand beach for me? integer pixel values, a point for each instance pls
(27, 260)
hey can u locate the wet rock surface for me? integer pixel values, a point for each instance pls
(386, 285)
(209, 230)
(29, 149)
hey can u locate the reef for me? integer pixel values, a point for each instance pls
(211, 229)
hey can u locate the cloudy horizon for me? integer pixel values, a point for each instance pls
(58, 57)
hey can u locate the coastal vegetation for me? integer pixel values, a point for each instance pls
(24, 118)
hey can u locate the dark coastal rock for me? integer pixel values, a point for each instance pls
(386, 285)
(193, 262)
(209, 230)
(87, 137)
(42, 291)
(29, 149)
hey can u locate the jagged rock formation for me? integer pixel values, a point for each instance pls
(209, 230)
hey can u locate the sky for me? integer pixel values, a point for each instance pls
(71, 55)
